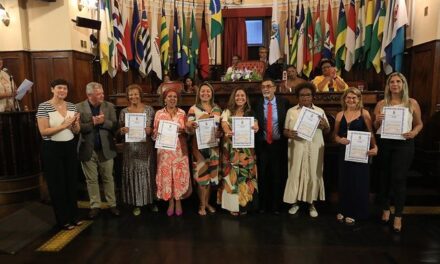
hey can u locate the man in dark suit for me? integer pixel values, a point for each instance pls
(271, 147)
(96, 147)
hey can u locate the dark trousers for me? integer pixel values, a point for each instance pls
(60, 171)
(272, 171)
(395, 157)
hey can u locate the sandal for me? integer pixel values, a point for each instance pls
(235, 213)
(78, 223)
(210, 209)
(202, 210)
(340, 218)
(68, 227)
(385, 217)
(349, 221)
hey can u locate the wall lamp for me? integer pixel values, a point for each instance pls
(4, 16)
(90, 4)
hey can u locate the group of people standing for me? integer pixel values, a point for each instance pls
(282, 167)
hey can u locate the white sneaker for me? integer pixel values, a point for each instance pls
(293, 209)
(312, 211)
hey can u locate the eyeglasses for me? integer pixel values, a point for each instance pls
(267, 86)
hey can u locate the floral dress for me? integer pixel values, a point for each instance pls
(205, 162)
(239, 184)
(172, 176)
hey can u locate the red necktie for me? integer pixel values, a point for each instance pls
(269, 124)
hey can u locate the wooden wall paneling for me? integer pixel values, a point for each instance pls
(17, 63)
(42, 75)
(83, 74)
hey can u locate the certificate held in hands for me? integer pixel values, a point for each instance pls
(136, 123)
(394, 123)
(243, 136)
(308, 121)
(359, 145)
(167, 135)
(205, 133)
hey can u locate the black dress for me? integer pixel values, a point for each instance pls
(353, 177)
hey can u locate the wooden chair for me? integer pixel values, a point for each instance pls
(173, 84)
(253, 64)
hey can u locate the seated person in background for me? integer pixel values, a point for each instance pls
(289, 85)
(235, 60)
(166, 79)
(263, 53)
(329, 81)
(189, 86)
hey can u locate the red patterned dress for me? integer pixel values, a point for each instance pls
(172, 176)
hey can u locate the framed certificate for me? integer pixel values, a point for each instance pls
(205, 133)
(394, 123)
(243, 136)
(136, 123)
(359, 145)
(167, 135)
(308, 121)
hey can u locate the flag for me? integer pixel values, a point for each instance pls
(386, 47)
(287, 34)
(194, 46)
(155, 49)
(329, 41)
(183, 66)
(398, 43)
(376, 37)
(274, 46)
(350, 40)
(341, 33)
(301, 38)
(143, 46)
(105, 37)
(216, 18)
(120, 57)
(360, 33)
(177, 46)
(369, 18)
(204, 53)
(127, 32)
(308, 47)
(317, 39)
(135, 28)
(164, 43)
(294, 46)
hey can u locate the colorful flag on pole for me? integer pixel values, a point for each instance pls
(287, 35)
(308, 47)
(135, 28)
(360, 33)
(120, 57)
(350, 39)
(143, 45)
(274, 46)
(301, 39)
(216, 18)
(369, 18)
(294, 47)
(398, 43)
(386, 47)
(183, 66)
(329, 41)
(194, 46)
(204, 52)
(376, 38)
(164, 43)
(127, 32)
(155, 49)
(105, 37)
(177, 45)
(317, 39)
(341, 34)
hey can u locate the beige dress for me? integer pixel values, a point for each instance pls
(305, 163)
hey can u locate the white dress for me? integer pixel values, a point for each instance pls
(305, 163)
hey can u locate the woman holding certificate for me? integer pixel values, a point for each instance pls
(138, 164)
(398, 121)
(239, 188)
(355, 147)
(172, 176)
(205, 150)
(304, 127)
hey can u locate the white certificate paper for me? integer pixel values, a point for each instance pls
(24, 87)
(394, 123)
(167, 135)
(243, 136)
(359, 145)
(205, 133)
(136, 123)
(308, 121)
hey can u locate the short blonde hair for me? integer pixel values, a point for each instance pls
(354, 91)
(134, 87)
